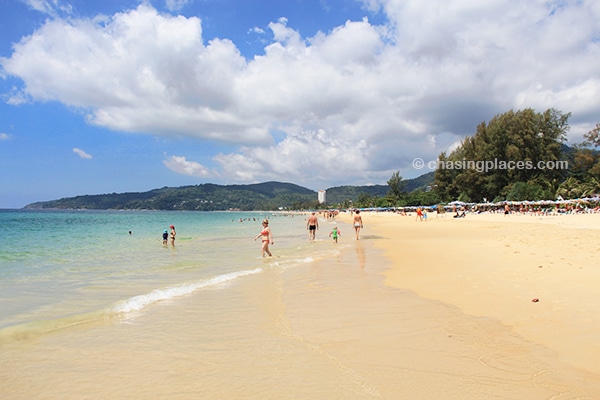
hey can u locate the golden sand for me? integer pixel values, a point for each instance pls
(537, 275)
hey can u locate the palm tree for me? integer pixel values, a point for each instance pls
(571, 188)
(590, 187)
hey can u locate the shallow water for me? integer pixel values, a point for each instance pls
(69, 267)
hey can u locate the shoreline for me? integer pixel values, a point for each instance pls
(533, 274)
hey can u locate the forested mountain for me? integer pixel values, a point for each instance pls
(211, 197)
(340, 194)
(205, 197)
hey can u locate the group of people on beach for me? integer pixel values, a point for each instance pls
(312, 225)
(266, 236)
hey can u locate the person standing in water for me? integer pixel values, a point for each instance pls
(335, 233)
(267, 237)
(312, 225)
(173, 234)
(358, 224)
(165, 237)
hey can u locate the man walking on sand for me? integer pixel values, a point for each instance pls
(312, 225)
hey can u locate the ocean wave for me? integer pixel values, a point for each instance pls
(137, 303)
(36, 328)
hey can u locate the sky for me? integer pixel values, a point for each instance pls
(113, 96)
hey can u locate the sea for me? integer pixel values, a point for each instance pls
(63, 268)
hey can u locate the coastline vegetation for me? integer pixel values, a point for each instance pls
(516, 156)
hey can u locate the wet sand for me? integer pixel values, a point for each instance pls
(327, 329)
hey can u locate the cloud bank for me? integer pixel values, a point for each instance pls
(349, 105)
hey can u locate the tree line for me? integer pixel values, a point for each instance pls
(516, 156)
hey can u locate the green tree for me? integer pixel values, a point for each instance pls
(365, 200)
(592, 138)
(443, 179)
(570, 189)
(590, 188)
(396, 186)
(585, 164)
(419, 198)
(520, 191)
(511, 139)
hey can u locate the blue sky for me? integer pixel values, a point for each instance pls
(103, 96)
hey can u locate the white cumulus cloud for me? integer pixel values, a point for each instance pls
(182, 166)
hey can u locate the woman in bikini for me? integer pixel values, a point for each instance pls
(173, 234)
(267, 237)
(357, 223)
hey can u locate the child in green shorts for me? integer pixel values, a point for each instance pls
(335, 233)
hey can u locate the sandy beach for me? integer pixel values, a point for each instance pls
(536, 275)
(413, 310)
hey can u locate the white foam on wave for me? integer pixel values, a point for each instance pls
(137, 303)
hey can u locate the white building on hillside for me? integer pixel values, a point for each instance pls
(322, 196)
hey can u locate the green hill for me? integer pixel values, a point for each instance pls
(211, 197)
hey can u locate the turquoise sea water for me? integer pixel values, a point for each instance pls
(62, 268)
